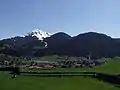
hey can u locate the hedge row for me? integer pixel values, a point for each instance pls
(12, 69)
(58, 73)
(114, 79)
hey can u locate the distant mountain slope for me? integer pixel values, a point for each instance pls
(96, 44)
(57, 39)
(18, 41)
(39, 43)
(30, 48)
(55, 42)
(8, 49)
(24, 44)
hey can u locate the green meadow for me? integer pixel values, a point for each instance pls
(61, 83)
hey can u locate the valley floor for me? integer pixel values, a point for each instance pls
(52, 83)
(61, 83)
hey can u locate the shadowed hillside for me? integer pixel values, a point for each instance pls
(94, 44)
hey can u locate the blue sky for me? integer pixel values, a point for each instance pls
(18, 17)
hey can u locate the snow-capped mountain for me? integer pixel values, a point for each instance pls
(32, 44)
(35, 35)
(39, 34)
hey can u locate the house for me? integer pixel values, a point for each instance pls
(43, 64)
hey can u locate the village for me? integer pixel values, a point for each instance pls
(66, 64)
(52, 62)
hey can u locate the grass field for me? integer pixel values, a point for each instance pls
(61, 83)
(52, 83)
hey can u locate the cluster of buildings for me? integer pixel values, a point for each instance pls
(65, 64)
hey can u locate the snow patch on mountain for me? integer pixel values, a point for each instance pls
(39, 34)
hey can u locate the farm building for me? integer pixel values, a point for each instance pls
(42, 64)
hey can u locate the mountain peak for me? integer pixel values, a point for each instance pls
(40, 34)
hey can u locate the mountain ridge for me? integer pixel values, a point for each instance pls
(98, 44)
